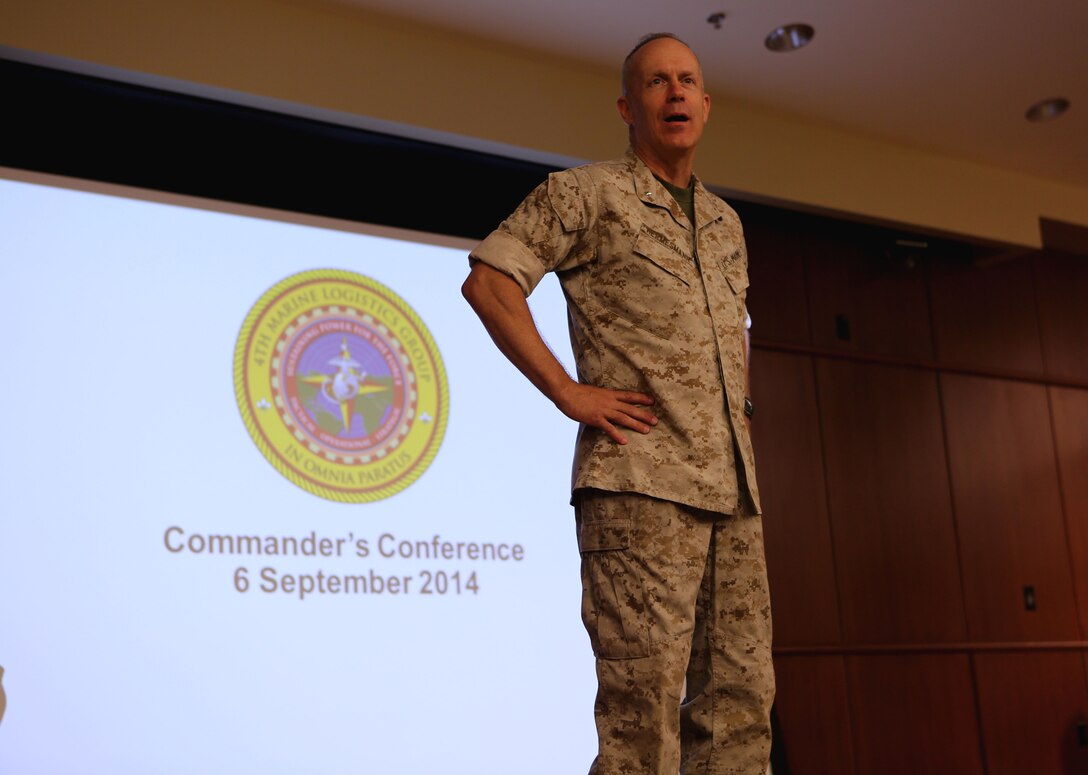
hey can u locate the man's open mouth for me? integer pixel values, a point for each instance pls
(676, 117)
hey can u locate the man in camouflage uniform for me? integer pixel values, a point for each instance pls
(674, 583)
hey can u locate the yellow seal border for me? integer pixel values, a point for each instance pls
(290, 303)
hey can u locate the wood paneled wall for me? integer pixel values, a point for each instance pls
(921, 433)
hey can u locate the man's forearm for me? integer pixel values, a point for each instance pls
(501, 306)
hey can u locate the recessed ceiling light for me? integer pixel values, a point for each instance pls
(1047, 109)
(789, 37)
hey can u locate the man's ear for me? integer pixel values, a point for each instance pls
(625, 111)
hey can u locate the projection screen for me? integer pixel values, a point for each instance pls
(272, 502)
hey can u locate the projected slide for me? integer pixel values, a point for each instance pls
(271, 502)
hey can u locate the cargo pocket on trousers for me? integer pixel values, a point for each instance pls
(613, 597)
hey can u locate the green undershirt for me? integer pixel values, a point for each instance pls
(685, 197)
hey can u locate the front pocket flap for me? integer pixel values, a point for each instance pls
(665, 253)
(604, 536)
(735, 270)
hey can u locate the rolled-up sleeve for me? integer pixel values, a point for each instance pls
(502, 251)
(546, 233)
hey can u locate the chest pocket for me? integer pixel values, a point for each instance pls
(727, 283)
(650, 288)
(734, 267)
(667, 257)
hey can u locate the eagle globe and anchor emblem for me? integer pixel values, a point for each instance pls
(341, 386)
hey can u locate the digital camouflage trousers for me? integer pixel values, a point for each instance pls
(676, 605)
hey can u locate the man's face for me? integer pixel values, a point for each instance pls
(665, 104)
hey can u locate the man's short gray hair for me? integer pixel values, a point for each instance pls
(626, 70)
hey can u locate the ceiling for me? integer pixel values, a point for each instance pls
(953, 77)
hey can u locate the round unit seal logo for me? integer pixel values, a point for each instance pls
(341, 386)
